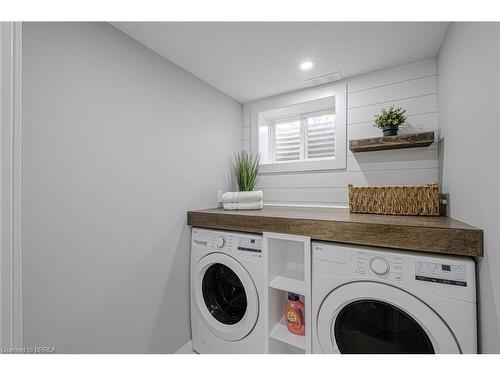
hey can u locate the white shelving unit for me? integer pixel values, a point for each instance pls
(288, 269)
(287, 281)
(281, 333)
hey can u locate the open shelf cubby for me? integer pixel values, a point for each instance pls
(288, 270)
(279, 347)
(281, 333)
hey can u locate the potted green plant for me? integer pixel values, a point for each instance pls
(246, 169)
(389, 120)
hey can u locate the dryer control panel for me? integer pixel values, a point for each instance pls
(238, 244)
(444, 275)
(382, 266)
(253, 245)
(451, 274)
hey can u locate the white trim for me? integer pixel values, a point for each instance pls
(10, 173)
(277, 104)
(187, 348)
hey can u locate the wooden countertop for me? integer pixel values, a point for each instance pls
(436, 234)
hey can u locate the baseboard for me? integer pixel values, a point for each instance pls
(187, 348)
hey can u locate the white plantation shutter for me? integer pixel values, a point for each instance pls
(287, 141)
(320, 136)
(295, 134)
(304, 137)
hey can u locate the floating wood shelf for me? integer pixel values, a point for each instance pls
(392, 142)
(436, 234)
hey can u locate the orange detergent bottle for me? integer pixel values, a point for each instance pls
(294, 314)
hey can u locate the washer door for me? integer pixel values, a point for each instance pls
(226, 296)
(374, 318)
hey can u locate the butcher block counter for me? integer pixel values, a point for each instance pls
(436, 234)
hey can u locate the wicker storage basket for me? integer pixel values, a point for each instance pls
(395, 200)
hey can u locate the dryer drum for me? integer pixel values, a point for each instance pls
(376, 327)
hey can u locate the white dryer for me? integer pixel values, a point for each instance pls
(373, 300)
(227, 284)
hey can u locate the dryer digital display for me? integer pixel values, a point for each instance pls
(250, 244)
(450, 274)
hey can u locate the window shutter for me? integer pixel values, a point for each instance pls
(287, 141)
(320, 136)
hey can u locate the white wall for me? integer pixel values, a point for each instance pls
(117, 144)
(469, 119)
(10, 260)
(4, 259)
(411, 86)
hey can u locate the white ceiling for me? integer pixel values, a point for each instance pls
(253, 60)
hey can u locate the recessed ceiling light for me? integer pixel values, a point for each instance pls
(306, 65)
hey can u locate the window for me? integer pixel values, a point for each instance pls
(306, 137)
(301, 135)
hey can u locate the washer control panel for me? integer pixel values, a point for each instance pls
(220, 241)
(379, 265)
(382, 266)
(451, 274)
(243, 245)
(253, 245)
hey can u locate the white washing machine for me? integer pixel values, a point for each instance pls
(227, 284)
(373, 300)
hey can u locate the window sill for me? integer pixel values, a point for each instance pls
(303, 166)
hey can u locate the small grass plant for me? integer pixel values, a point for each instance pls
(246, 169)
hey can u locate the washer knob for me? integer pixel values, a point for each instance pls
(379, 265)
(220, 241)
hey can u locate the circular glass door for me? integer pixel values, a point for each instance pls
(373, 318)
(226, 296)
(375, 327)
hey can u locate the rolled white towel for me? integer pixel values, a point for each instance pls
(244, 206)
(242, 196)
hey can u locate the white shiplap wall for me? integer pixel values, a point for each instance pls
(411, 86)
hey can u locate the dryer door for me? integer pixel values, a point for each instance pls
(374, 318)
(226, 296)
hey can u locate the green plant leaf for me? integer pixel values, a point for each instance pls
(392, 116)
(246, 169)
